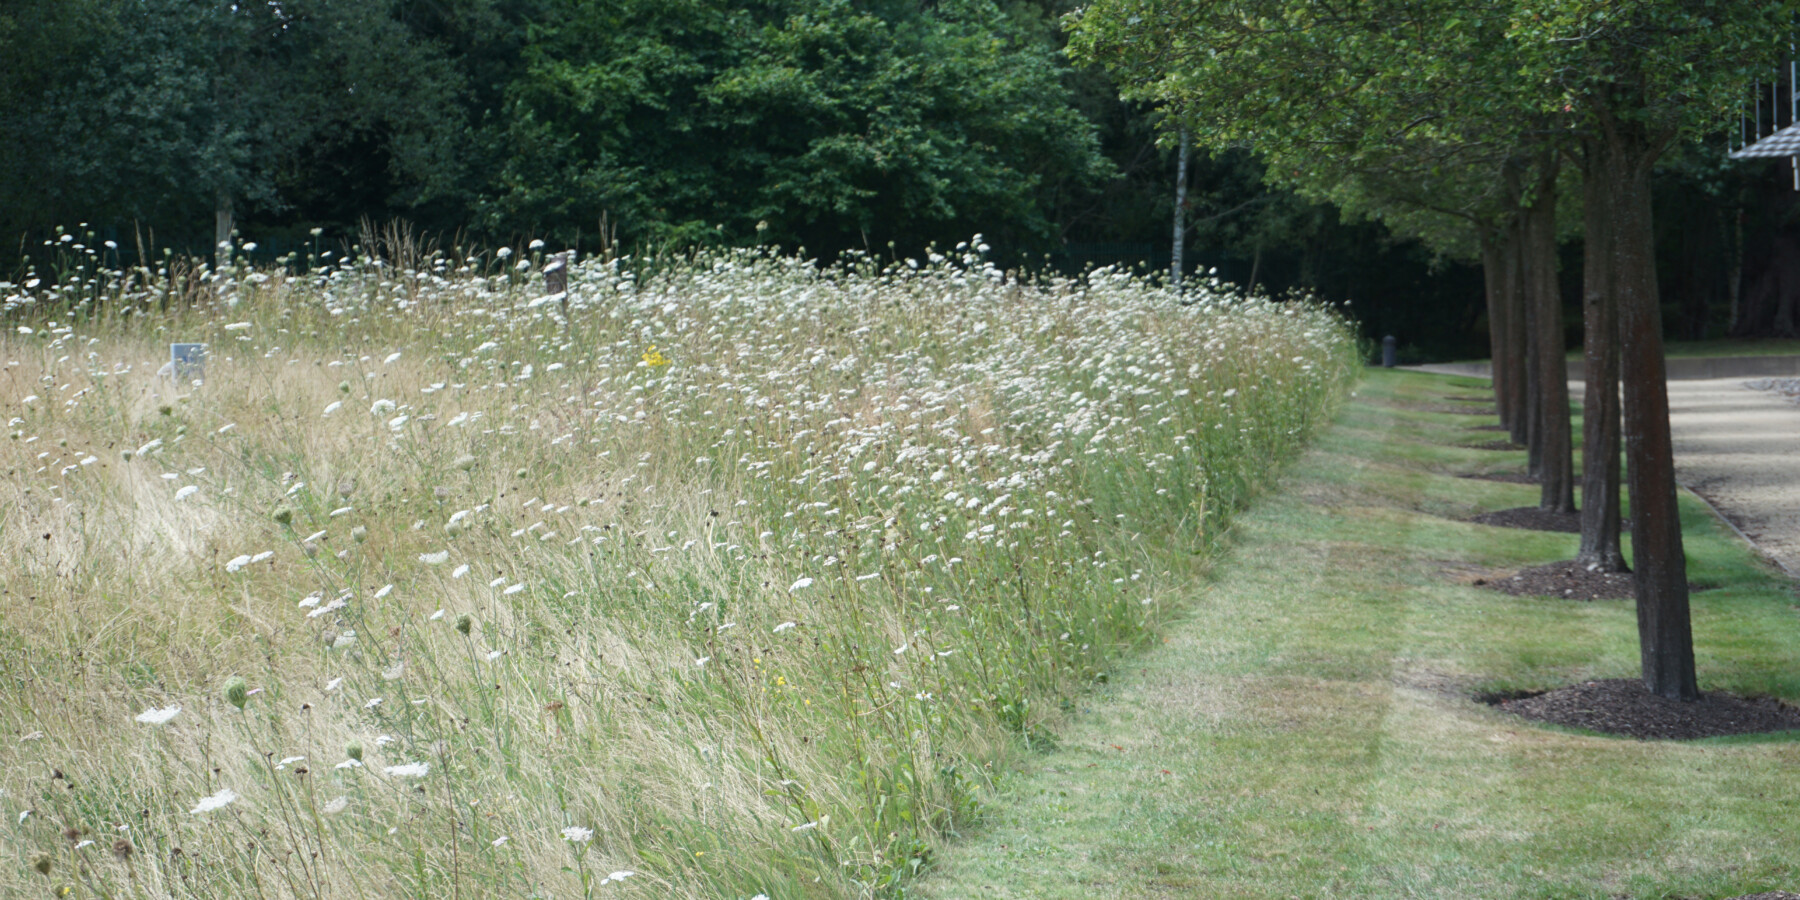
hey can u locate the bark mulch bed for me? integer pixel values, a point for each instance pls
(1532, 518)
(1623, 707)
(1505, 477)
(1563, 579)
(1494, 445)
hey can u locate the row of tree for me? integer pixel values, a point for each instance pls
(1474, 111)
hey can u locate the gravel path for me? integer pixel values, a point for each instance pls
(1737, 443)
(1739, 447)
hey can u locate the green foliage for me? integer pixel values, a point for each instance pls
(828, 124)
(154, 109)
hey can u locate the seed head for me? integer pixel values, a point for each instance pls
(464, 623)
(122, 849)
(237, 693)
(354, 750)
(43, 864)
(284, 515)
(359, 534)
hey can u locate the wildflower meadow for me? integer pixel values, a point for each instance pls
(725, 576)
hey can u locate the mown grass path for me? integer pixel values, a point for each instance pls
(1308, 730)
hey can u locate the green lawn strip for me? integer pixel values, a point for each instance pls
(1734, 347)
(1711, 348)
(1307, 729)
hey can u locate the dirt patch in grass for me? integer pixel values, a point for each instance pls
(1531, 518)
(1445, 408)
(1622, 706)
(1768, 895)
(1488, 428)
(1564, 579)
(1493, 445)
(1504, 477)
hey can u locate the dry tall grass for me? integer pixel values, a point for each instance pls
(738, 579)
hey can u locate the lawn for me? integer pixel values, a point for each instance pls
(1309, 728)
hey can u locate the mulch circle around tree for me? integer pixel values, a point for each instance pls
(1494, 445)
(1563, 579)
(1488, 428)
(1532, 518)
(1503, 477)
(1622, 706)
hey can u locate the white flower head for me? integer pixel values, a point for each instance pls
(154, 716)
(408, 770)
(577, 834)
(433, 559)
(225, 797)
(335, 805)
(801, 583)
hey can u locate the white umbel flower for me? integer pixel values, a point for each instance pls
(225, 797)
(154, 716)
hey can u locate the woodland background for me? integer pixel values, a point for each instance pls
(637, 126)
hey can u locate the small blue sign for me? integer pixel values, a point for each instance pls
(187, 362)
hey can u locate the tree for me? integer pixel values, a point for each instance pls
(818, 122)
(178, 109)
(1329, 93)
(1626, 77)
(1638, 77)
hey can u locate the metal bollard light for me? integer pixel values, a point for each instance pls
(1388, 345)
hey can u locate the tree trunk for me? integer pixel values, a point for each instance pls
(1181, 186)
(1600, 549)
(222, 225)
(1517, 347)
(1493, 277)
(1528, 315)
(1556, 461)
(1665, 631)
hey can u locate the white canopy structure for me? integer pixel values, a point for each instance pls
(1785, 142)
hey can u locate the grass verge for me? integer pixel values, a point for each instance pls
(1308, 729)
